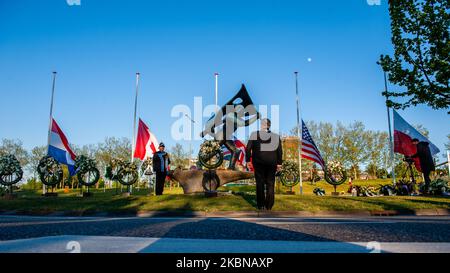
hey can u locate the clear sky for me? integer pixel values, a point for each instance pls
(177, 46)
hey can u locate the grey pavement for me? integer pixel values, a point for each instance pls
(225, 235)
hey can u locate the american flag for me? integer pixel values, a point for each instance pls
(309, 148)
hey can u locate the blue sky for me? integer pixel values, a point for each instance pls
(177, 46)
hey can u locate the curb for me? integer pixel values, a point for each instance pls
(234, 214)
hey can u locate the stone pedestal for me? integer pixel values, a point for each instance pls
(125, 194)
(192, 181)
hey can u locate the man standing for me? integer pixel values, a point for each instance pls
(425, 159)
(161, 163)
(264, 149)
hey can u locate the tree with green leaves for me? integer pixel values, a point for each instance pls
(421, 60)
(14, 147)
(36, 154)
(179, 157)
(378, 151)
(355, 146)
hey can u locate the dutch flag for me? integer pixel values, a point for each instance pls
(59, 148)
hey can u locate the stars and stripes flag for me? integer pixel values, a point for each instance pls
(309, 148)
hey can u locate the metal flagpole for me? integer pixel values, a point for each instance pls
(391, 142)
(50, 121)
(134, 119)
(448, 161)
(216, 76)
(299, 135)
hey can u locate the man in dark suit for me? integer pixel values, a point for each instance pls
(426, 160)
(161, 163)
(265, 151)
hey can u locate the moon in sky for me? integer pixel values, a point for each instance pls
(309, 60)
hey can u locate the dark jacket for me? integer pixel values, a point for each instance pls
(264, 148)
(157, 166)
(425, 157)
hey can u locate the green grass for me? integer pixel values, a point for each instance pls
(243, 199)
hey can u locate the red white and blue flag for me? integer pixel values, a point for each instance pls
(404, 133)
(240, 146)
(146, 142)
(59, 148)
(309, 148)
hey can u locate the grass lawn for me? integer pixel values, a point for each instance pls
(243, 199)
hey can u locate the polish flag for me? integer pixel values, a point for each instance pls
(404, 133)
(59, 148)
(146, 142)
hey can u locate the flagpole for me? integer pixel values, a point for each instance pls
(133, 144)
(391, 143)
(299, 134)
(50, 120)
(216, 89)
(134, 117)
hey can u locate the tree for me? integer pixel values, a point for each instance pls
(14, 147)
(378, 151)
(355, 146)
(421, 61)
(179, 157)
(36, 154)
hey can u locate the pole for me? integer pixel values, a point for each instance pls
(391, 141)
(299, 134)
(130, 188)
(448, 161)
(216, 76)
(50, 123)
(134, 117)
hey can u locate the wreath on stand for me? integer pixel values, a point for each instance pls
(123, 171)
(146, 166)
(335, 174)
(10, 170)
(87, 172)
(49, 171)
(210, 155)
(289, 175)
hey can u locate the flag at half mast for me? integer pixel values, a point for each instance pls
(309, 148)
(146, 142)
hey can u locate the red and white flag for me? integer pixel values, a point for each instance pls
(146, 142)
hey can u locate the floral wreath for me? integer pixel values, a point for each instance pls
(209, 149)
(85, 165)
(123, 171)
(145, 167)
(50, 171)
(10, 167)
(335, 168)
(289, 175)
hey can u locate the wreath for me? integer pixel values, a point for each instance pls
(146, 166)
(210, 155)
(123, 171)
(49, 171)
(289, 175)
(87, 172)
(332, 170)
(10, 170)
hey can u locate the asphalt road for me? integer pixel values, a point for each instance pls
(300, 232)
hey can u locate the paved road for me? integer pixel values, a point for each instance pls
(230, 234)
